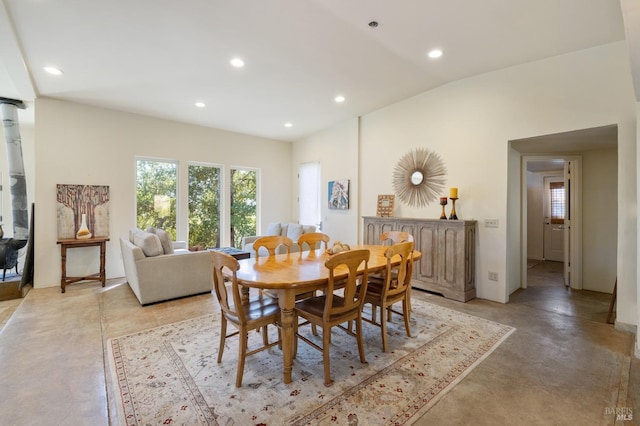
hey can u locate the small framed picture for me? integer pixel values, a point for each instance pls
(385, 205)
(339, 194)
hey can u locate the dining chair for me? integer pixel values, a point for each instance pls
(330, 310)
(394, 237)
(314, 240)
(244, 313)
(394, 288)
(271, 243)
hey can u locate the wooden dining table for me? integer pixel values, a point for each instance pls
(295, 273)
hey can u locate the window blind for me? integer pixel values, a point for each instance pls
(558, 201)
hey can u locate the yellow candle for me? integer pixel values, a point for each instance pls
(453, 193)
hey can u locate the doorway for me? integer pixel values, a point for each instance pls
(597, 150)
(552, 215)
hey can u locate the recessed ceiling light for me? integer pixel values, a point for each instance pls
(53, 70)
(339, 98)
(435, 53)
(200, 104)
(237, 62)
(288, 124)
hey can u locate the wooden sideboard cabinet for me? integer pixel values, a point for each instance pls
(447, 265)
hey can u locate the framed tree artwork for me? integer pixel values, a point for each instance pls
(82, 206)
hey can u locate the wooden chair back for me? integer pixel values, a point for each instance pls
(271, 243)
(312, 239)
(229, 297)
(354, 293)
(398, 277)
(396, 237)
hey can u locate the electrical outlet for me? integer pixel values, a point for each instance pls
(491, 223)
(493, 276)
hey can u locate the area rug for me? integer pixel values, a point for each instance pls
(169, 374)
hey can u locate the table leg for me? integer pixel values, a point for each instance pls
(286, 300)
(63, 264)
(103, 273)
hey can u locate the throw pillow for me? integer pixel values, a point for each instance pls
(148, 242)
(294, 232)
(165, 239)
(274, 229)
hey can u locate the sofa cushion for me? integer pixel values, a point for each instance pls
(274, 229)
(148, 242)
(165, 239)
(306, 229)
(294, 231)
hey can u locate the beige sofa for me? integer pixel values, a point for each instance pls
(155, 276)
(291, 230)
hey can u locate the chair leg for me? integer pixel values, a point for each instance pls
(326, 341)
(383, 328)
(223, 337)
(242, 354)
(406, 310)
(265, 335)
(360, 341)
(295, 337)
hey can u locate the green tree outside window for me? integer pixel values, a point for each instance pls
(204, 206)
(156, 183)
(244, 204)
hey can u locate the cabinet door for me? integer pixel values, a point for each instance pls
(426, 241)
(451, 249)
(374, 227)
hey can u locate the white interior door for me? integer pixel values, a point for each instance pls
(554, 233)
(554, 242)
(309, 194)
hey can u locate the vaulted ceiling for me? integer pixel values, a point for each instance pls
(160, 57)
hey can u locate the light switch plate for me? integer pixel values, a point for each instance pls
(491, 223)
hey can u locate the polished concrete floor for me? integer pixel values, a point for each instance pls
(562, 366)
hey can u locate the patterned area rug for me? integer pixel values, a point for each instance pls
(169, 374)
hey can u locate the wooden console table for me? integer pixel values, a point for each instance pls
(447, 265)
(73, 243)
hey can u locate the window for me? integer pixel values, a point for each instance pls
(204, 206)
(156, 183)
(557, 201)
(243, 204)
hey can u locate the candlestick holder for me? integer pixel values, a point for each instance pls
(443, 202)
(453, 215)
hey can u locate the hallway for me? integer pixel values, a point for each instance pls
(546, 291)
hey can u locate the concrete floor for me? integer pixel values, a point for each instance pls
(563, 366)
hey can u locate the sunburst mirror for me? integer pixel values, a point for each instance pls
(419, 177)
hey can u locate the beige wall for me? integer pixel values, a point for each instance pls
(469, 123)
(600, 219)
(77, 144)
(337, 151)
(535, 192)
